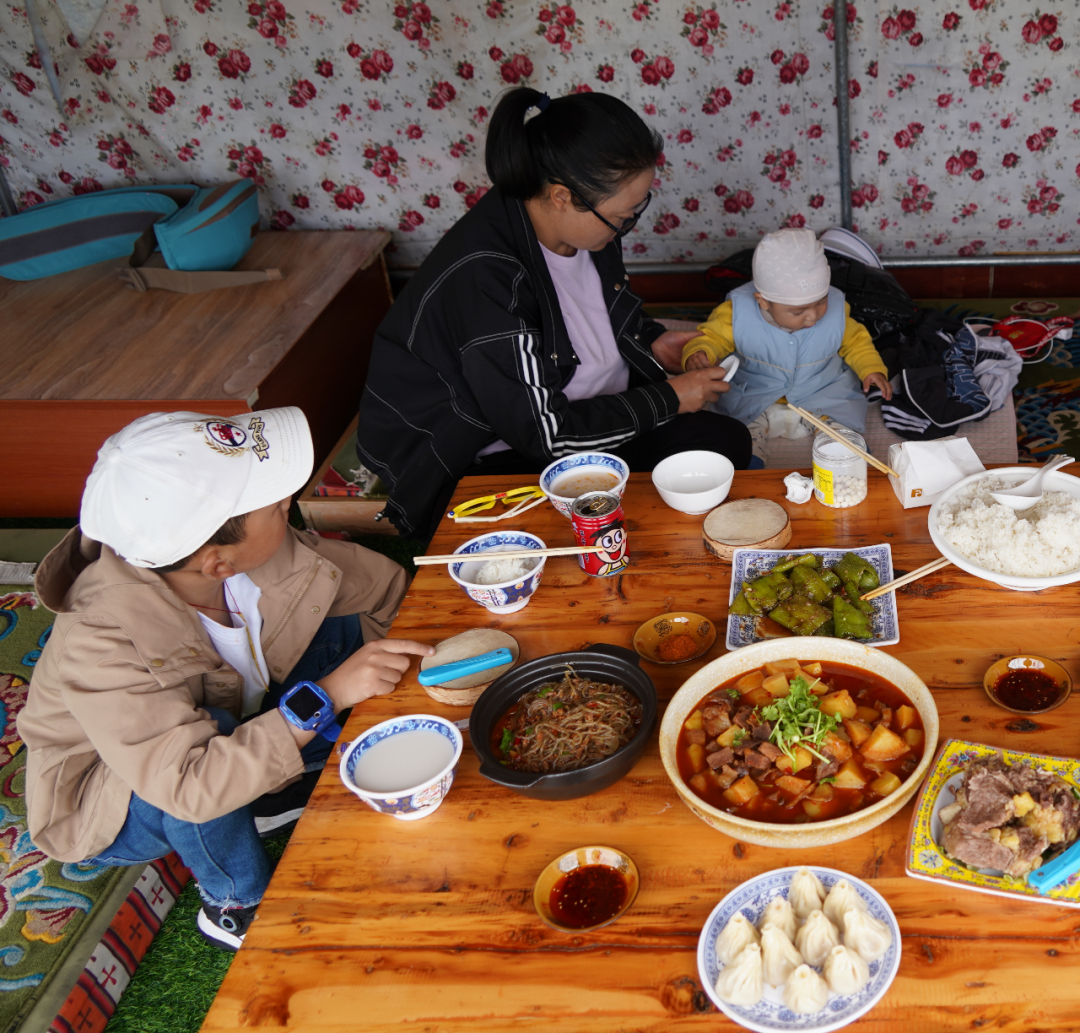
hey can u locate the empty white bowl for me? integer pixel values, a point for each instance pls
(694, 482)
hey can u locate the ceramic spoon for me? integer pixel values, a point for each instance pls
(1025, 495)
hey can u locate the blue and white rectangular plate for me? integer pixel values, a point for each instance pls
(747, 564)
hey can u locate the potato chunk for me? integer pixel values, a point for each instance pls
(839, 703)
(696, 755)
(849, 776)
(791, 784)
(742, 791)
(837, 747)
(750, 681)
(884, 744)
(904, 717)
(695, 722)
(859, 731)
(776, 685)
(885, 784)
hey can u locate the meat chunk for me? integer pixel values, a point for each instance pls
(742, 717)
(696, 736)
(975, 848)
(825, 769)
(761, 731)
(717, 724)
(767, 749)
(756, 762)
(989, 798)
(720, 758)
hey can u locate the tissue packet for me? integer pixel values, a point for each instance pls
(928, 468)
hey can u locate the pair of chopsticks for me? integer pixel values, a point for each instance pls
(912, 575)
(836, 436)
(517, 554)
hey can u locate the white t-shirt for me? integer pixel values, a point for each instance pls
(239, 646)
(602, 369)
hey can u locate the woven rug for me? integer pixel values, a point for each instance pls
(51, 913)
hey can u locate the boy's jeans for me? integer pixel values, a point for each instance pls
(226, 855)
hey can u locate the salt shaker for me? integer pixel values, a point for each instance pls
(839, 473)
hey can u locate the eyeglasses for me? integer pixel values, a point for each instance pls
(519, 496)
(627, 224)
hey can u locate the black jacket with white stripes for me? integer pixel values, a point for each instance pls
(475, 349)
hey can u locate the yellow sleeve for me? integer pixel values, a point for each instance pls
(717, 339)
(856, 349)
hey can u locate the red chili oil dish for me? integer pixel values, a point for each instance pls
(1027, 689)
(588, 895)
(735, 751)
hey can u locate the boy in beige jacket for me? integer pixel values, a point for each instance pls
(187, 613)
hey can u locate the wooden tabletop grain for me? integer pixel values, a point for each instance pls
(84, 334)
(380, 925)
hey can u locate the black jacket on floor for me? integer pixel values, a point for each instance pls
(475, 349)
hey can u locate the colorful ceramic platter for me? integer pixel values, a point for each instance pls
(925, 860)
(747, 564)
(770, 1014)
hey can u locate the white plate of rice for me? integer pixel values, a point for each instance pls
(1025, 550)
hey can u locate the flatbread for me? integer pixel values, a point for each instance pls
(472, 643)
(746, 523)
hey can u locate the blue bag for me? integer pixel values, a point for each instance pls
(197, 229)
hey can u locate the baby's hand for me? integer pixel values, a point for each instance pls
(697, 360)
(877, 380)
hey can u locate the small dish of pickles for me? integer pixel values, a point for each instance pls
(776, 593)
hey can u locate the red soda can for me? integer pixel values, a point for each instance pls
(597, 517)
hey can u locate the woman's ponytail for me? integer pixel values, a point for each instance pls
(590, 142)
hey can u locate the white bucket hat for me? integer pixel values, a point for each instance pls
(163, 485)
(790, 267)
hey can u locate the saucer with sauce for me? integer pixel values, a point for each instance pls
(1027, 684)
(586, 888)
(675, 638)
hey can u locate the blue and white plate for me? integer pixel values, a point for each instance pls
(747, 564)
(770, 1014)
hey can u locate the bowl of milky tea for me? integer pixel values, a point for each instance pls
(1025, 550)
(567, 478)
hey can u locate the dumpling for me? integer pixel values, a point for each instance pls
(842, 897)
(736, 936)
(806, 992)
(741, 982)
(779, 958)
(806, 893)
(778, 912)
(816, 938)
(845, 971)
(865, 935)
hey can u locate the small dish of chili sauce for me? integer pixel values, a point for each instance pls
(1027, 684)
(585, 888)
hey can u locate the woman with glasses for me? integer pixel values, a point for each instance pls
(518, 340)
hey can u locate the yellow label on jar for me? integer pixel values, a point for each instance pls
(823, 484)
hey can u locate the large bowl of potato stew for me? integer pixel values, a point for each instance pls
(799, 741)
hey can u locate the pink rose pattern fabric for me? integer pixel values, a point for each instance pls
(354, 113)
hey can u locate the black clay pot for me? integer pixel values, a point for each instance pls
(600, 662)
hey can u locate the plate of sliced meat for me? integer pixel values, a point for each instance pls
(986, 818)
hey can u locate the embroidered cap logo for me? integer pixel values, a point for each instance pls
(261, 447)
(226, 438)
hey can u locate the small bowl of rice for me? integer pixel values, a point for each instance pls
(500, 585)
(1025, 550)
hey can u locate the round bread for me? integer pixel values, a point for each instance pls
(463, 692)
(743, 524)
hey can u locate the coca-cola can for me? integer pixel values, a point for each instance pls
(597, 517)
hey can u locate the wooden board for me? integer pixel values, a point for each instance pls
(382, 923)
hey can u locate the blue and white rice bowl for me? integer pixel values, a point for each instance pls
(506, 596)
(582, 462)
(770, 1014)
(412, 802)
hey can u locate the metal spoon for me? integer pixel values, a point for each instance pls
(1026, 494)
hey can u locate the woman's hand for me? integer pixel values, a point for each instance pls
(879, 381)
(667, 348)
(699, 387)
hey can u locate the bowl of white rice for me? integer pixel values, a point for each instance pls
(1025, 550)
(500, 585)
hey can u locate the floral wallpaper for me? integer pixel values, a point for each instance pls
(965, 114)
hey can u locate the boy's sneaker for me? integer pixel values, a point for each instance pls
(275, 813)
(225, 927)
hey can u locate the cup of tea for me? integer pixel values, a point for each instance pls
(405, 766)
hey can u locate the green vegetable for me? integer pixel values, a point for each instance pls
(807, 559)
(798, 721)
(556, 706)
(742, 607)
(827, 781)
(827, 630)
(850, 622)
(545, 691)
(735, 694)
(810, 583)
(852, 591)
(800, 615)
(851, 567)
(738, 738)
(507, 739)
(765, 592)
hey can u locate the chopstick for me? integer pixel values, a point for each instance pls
(912, 575)
(517, 554)
(826, 429)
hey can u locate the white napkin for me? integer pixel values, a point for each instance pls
(799, 488)
(928, 468)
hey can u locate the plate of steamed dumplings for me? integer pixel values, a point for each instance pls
(799, 949)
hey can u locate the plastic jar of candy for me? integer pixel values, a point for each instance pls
(839, 473)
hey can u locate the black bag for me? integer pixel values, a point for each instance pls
(876, 299)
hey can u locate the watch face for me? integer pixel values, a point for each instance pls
(305, 703)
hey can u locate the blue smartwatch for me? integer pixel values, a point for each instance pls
(307, 706)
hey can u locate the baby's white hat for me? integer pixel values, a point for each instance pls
(163, 485)
(790, 267)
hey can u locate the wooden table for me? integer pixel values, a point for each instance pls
(378, 925)
(81, 355)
